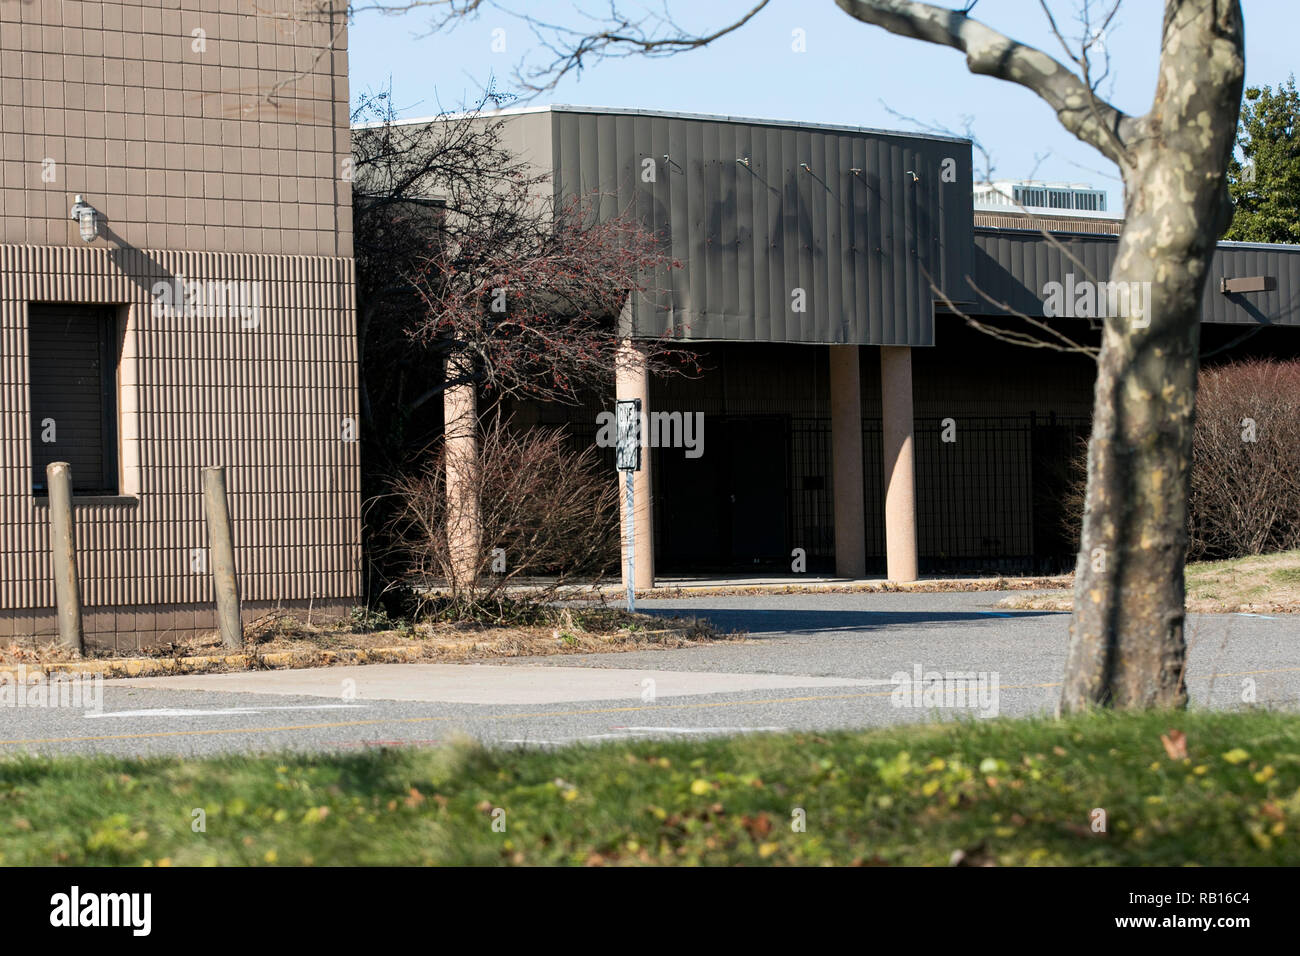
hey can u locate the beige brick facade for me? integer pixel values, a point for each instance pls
(232, 139)
(212, 135)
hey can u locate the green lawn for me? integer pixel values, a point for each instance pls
(1014, 792)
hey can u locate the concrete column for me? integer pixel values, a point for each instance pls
(631, 380)
(460, 439)
(900, 487)
(846, 455)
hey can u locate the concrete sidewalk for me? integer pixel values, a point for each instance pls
(486, 683)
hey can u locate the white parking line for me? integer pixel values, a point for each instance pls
(221, 712)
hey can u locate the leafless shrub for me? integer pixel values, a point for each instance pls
(548, 517)
(1245, 496)
(1245, 479)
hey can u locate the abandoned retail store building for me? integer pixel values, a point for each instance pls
(176, 291)
(848, 409)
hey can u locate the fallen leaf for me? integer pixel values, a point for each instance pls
(978, 855)
(1175, 744)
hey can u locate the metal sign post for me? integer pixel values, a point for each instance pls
(627, 421)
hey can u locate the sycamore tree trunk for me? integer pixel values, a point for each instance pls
(1127, 647)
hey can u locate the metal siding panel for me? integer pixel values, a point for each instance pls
(811, 320)
(876, 298)
(842, 250)
(915, 192)
(787, 264)
(743, 227)
(773, 273)
(713, 225)
(830, 249)
(859, 217)
(1014, 266)
(748, 237)
(896, 323)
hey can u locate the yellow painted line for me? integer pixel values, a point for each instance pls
(1269, 670)
(541, 713)
(425, 720)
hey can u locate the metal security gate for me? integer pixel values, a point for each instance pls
(993, 499)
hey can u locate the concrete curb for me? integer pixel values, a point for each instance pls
(923, 586)
(112, 667)
(160, 666)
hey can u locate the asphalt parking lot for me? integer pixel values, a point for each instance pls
(812, 661)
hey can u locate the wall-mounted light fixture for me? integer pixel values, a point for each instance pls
(805, 167)
(88, 219)
(912, 173)
(744, 161)
(1238, 284)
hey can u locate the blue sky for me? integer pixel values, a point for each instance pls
(849, 73)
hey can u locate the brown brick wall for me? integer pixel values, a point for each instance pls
(232, 140)
(211, 135)
(270, 401)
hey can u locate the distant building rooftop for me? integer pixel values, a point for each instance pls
(1038, 220)
(1034, 204)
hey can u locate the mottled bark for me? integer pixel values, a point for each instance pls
(1127, 647)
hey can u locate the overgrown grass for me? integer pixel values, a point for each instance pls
(1264, 581)
(1009, 792)
(1264, 578)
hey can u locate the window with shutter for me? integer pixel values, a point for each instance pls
(73, 368)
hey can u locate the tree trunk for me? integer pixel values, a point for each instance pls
(1127, 646)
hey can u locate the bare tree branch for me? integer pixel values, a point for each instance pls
(991, 53)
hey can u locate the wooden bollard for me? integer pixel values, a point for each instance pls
(221, 545)
(63, 548)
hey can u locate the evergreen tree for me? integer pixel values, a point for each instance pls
(1265, 182)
